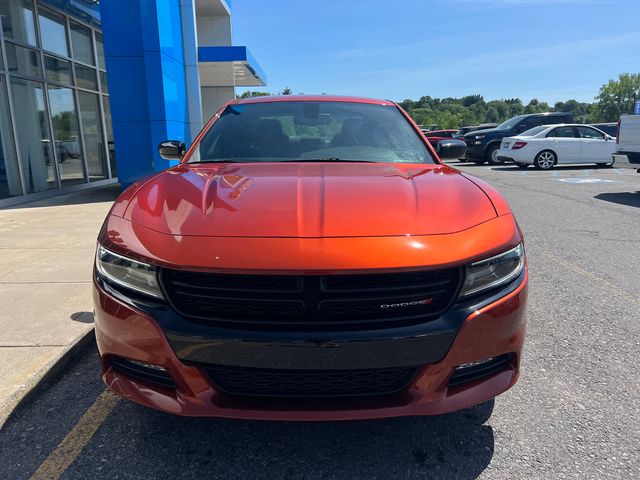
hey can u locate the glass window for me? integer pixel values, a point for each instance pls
(86, 77)
(17, 21)
(66, 135)
(588, 132)
(104, 85)
(111, 147)
(23, 61)
(532, 131)
(57, 70)
(9, 176)
(31, 126)
(92, 135)
(509, 124)
(100, 52)
(53, 32)
(82, 44)
(290, 131)
(562, 132)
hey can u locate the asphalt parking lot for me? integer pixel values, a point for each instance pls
(574, 414)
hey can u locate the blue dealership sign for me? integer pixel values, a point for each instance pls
(637, 109)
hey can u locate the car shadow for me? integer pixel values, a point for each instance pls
(457, 445)
(630, 199)
(82, 317)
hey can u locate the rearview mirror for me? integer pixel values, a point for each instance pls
(172, 149)
(451, 149)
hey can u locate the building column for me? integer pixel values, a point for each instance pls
(146, 69)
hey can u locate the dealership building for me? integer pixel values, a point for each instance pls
(88, 89)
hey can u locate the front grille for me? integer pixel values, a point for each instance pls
(311, 303)
(257, 382)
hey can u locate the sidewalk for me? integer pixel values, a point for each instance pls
(46, 256)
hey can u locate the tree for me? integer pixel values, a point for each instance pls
(471, 99)
(617, 97)
(492, 115)
(286, 91)
(249, 94)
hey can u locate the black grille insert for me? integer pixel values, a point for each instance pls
(139, 371)
(257, 382)
(480, 371)
(309, 302)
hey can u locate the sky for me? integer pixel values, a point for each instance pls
(551, 50)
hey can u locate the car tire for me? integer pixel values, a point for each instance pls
(492, 155)
(545, 160)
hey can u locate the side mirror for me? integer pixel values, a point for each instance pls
(451, 149)
(172, 149)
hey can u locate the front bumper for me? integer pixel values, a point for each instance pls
(475, 152)
(154, 334)
(521, 156)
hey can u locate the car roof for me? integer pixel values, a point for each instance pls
(546, 114)
(311, 98)
(567, 125)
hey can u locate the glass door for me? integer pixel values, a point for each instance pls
(66, 135)
(92, 134)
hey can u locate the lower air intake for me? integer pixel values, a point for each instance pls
(257, 382)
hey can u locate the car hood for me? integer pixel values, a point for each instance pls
(309, 200)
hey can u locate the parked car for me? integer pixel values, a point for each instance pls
(462, 131)
(548, 145)
(435, 136)
(483, 145)
(330, 276)
(627, 150)
(608, 128)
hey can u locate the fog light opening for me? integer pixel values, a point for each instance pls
(479, 370)
(142, 371)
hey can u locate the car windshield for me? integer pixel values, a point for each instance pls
(512, 122)
(533, 131)
(311, 131)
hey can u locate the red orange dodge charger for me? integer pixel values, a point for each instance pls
(310, 258)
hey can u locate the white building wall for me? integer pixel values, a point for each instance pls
(213, 98)
(214, 31)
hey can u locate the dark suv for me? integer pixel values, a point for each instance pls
(483, 145)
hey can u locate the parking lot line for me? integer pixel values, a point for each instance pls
(73, 443)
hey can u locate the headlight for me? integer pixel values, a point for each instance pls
(493, 272)
(137, 276)
(480, 137)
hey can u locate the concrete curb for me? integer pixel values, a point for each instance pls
(47, 374)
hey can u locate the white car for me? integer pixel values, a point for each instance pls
(548, 145)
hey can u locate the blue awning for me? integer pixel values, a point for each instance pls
(229, 67)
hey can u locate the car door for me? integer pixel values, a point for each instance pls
(566, 144)
(595, 147)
